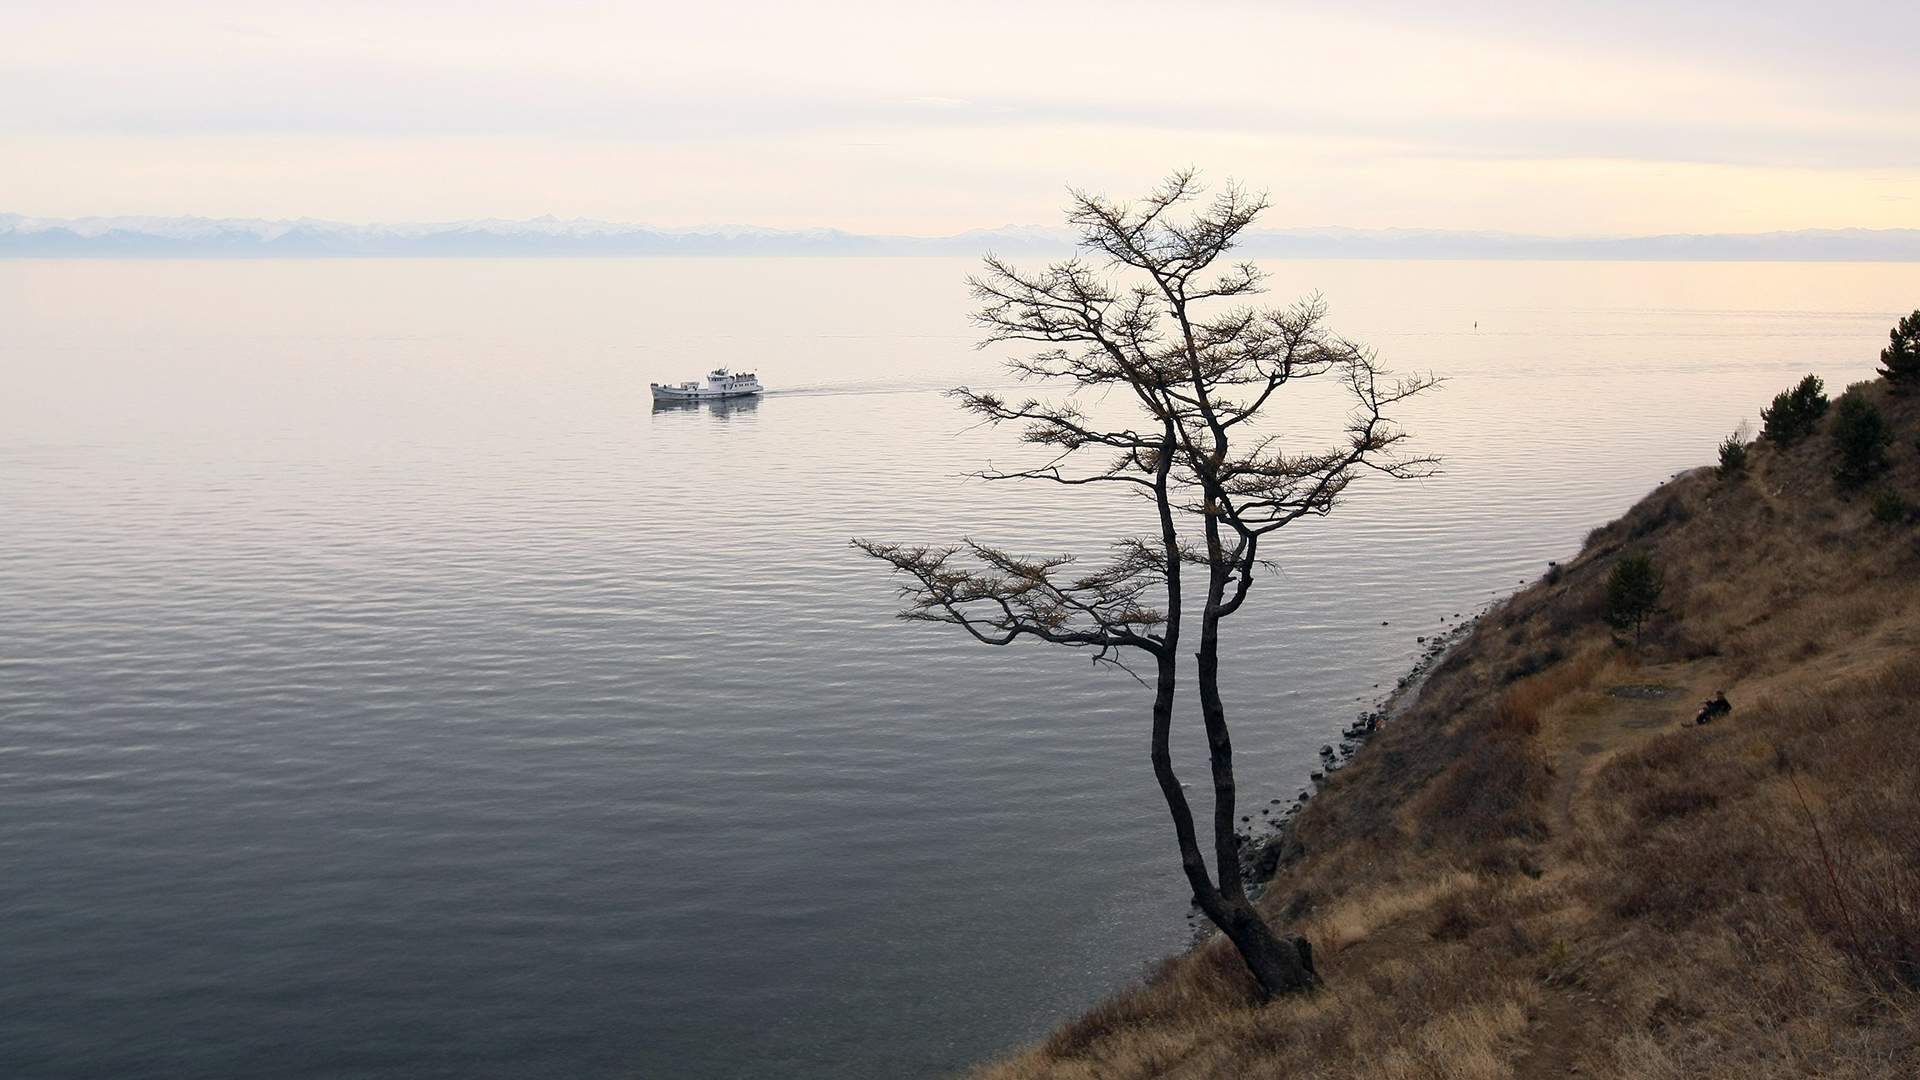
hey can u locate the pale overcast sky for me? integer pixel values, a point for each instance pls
(931, 118)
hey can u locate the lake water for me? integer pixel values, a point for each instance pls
(386, 690)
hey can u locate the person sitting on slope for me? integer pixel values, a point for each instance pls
(1713, 708)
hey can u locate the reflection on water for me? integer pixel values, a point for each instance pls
(718, 408)
(385, 692)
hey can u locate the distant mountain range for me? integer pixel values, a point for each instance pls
(121, 237)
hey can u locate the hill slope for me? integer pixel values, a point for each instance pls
(1545, 868)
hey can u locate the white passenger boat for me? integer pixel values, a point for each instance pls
(721, 383)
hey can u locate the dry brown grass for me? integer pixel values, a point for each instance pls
(1361, 1028)
(1352, 920)
(1521, 705)
(1530, 873)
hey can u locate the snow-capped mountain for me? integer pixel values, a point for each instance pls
(24, 236)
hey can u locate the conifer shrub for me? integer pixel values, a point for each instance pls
(1889, 508)
(1795, 413)
(1633, 593)
(1900, 360)
(1861, 435)
(1733, 456)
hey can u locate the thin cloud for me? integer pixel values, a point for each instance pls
(1381, 111)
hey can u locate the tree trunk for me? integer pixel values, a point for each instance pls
(1213, 716)
(1192, 863)
(1280, 966)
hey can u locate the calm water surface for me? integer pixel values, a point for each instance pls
(386, 690)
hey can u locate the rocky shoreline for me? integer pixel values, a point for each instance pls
(1267, 840)
(1268, 843)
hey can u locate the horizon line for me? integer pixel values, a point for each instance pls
(10, 220)
(22, 236)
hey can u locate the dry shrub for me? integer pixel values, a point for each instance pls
(1856, 841)
(1353, 920)
(1532, 663)
(1436, 1016)
(1514, 717)
(1678, 640)
(1578, 609)
(1745, 653)
(1519, 708)
(1504, 913)
(1495, 789)
(1675, 802)
(1474, 1043)
(1512, 857)
(1494, 792)
(1672, 878)
(1861, 888)
(1674, 775)
(1677, 839)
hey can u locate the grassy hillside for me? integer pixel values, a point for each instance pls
(1545, 868)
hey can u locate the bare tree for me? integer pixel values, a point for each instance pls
(1201, 365)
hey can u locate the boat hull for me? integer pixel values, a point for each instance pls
(676, 393)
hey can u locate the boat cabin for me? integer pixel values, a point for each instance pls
(722, 381)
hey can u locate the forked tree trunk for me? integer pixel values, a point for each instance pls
(1279, 965)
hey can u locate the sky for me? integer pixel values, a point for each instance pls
(932, 118)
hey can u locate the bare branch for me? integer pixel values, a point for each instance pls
(1203, 363)
(998, 597)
